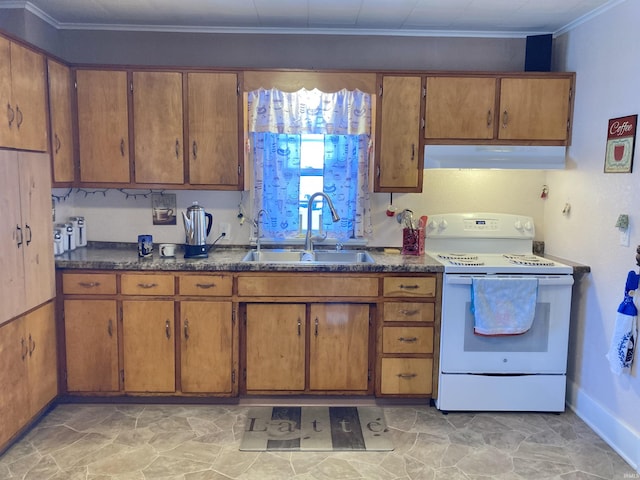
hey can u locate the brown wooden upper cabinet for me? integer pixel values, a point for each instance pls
(498, 109)
(214, 110)
(63, 171)
(103, 127)
(398, 163)
(157, 126)
(22, 96)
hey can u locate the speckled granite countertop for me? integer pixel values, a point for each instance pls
(119, 256)
(111, 256)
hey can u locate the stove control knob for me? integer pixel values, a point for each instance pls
(432, 225)
(528, 226)
(443, 225)
(518, 225)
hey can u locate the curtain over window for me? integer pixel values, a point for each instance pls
(277, 122)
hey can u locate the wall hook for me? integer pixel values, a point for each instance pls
(545, 191)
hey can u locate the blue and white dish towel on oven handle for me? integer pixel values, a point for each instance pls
(625, 332)
(503, 306)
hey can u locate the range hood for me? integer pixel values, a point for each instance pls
(495, 156)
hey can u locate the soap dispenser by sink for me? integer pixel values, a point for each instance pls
(197, 226)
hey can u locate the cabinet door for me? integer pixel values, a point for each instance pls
(275, 347)
(43, 357)
(61, 131)
(14, 398)
(91, 340)
(460, 108)
(339, 347)
(103, 126)
(206, 347)
(534, 108)
(399, 162)
(35, 194)
(12, 293)
(148, 346)
(157, 123)
(213, 129)
(7, 117)
(28, 92)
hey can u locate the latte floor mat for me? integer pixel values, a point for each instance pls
(316, 429)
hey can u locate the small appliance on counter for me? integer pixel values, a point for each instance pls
(197, 226)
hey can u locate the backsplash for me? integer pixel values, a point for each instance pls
(120, 216)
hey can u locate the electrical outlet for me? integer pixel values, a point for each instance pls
(225, 229)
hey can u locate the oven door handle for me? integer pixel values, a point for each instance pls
(542, 281)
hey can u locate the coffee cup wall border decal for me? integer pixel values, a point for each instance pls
(621, 140)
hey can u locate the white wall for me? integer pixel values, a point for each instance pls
(604, 53)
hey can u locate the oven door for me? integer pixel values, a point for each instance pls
(542, 349)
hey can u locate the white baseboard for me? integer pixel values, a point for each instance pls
(615, 433)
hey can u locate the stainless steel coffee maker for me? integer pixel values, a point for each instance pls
(197, 226)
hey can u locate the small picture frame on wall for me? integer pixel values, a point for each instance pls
(621, 140)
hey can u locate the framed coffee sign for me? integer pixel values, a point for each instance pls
(621, 139)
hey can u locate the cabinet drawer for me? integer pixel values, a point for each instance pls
(409, 286)
(307, 286)
(206, 285)
(407, 376)
(141, 284)
(89, 283)
(408, 312)
(407, 340)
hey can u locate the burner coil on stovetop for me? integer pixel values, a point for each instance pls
(528, 260)
(463, 259)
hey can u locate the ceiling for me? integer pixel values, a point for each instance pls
(390, 17)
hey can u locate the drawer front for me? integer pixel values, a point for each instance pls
(141, 284)
(408, 312)
(89, 283)
(307, 286)
(406, 376)
(407, 340)
(206, 285)
(409, 287)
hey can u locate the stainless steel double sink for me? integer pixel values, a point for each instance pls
(315, 257)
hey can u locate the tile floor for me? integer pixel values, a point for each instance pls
(197, 442)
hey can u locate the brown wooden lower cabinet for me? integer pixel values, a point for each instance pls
(277, 336)
(28, 373)
(408, 376)
(91, 334)
(148, 344)
(206, 353)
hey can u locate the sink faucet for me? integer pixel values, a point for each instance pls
(256, 222)
(308, 243)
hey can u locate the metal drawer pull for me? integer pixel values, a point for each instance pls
(177, 148)
(407, 376)
(28, 227)
(409, 312)
(205, 285)
(489, 118)
(299, 327)
(20, 118)
(195, 150)
(167, 328)
(316, 332)
(505, 119)
(408, 339)
(89, 284)
(147, 285)
(110, 328)
(122, 147)
(58, 144)
(409, 287)
(19, 230)
(186, 329)
(25, 350)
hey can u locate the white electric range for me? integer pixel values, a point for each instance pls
(525, 372)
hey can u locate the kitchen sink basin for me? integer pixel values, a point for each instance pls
(316, 257)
